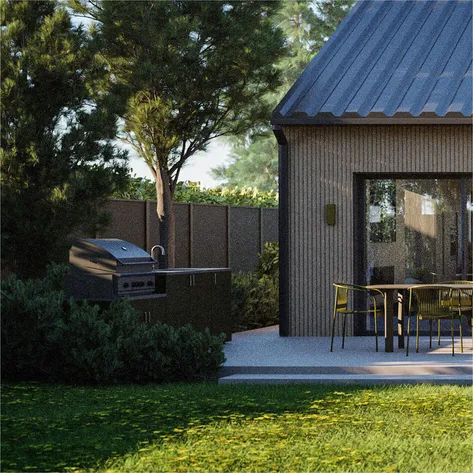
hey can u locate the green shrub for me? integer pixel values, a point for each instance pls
(30, 312)
(269, 260)
(255, 295)
(44, 338)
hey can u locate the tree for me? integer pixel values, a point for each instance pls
(57, 160)
(184, 73)
(306, 27)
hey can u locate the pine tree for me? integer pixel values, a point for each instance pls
(306, 26)
(57, 159)
(184, 73)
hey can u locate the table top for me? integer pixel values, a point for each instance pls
(409, 285)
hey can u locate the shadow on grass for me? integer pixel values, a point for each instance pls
(57, 428)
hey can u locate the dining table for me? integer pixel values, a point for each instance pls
(401, 288)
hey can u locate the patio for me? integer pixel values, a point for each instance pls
(262, 356)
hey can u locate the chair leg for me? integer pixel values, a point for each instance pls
(430, 344)
(453, 338)
(461, 336)
(408, 331)
(376, 330)
(438, 331)
(417, 334)
(333, 327)
(343, 329)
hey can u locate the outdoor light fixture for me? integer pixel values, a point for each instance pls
(330, 214)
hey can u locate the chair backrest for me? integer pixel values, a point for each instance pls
(342, 293)
(431, 301)
(462, 297)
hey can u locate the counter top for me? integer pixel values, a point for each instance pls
(189, 270)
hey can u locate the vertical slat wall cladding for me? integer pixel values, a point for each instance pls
(322, 163)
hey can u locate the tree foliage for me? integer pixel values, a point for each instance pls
(57, 159)
(191, 192)
(306, 26)
(184, 73)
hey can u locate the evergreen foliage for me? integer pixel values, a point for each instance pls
(57, 158)
(191, 192)
(306, 27)
(183, 73)
(255, 295)
(45, 339)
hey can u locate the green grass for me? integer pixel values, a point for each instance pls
(206, 427)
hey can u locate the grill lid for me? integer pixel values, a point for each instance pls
(123, 251)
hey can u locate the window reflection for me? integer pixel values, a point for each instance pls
(418, 230)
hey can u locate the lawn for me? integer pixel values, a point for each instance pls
(207, 427)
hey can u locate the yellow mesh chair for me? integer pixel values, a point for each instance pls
(463, 299)
(432, 303)
(344, 305)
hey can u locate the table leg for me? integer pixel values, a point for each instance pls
(388, 322)
(400, 319)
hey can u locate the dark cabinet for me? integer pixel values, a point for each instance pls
(152, 309)
(200, 298)
(221, 304)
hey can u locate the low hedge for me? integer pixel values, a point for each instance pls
(45, 338)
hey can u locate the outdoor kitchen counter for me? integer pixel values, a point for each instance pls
(199, 296)
(190, 270)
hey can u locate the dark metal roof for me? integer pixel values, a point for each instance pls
(390, 61)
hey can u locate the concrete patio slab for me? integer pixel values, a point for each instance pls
(262, 356)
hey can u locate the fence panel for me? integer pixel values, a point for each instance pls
(209, 236)
(213, 236)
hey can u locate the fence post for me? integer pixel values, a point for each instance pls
(147, 242)
(261, 236)
(228, 237)
(191, 235)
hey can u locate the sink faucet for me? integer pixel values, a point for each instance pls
(157, 246)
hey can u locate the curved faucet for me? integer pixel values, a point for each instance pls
(157, 246)
(152, 251)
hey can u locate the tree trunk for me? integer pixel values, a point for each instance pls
(166, 218)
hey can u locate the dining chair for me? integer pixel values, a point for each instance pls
(464, 301)
(432, 303)
(344, 305)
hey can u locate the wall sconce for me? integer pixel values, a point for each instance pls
(330, 214)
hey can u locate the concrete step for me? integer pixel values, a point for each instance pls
(400, 369)
(291, 378)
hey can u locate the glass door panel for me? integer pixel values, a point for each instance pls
(418, 230)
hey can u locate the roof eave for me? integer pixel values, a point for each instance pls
(372, 120)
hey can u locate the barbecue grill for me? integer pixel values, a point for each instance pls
(109, 269)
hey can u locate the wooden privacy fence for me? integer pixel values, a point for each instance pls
(212, 236)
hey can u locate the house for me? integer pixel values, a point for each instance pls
(375, 153)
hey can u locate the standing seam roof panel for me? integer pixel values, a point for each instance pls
(404, 75)
(368, 94)
(300, 87)
(316, 95)
(449, 81)
(426, 78)
(365, 61)
(389, 59)
(462, 102)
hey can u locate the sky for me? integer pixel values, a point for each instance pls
(197, 168)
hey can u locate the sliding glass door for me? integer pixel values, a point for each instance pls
(418, 230)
